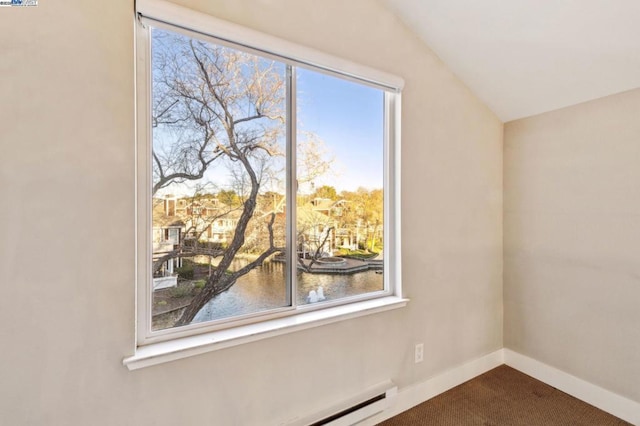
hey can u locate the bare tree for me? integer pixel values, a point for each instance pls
(313, 159)
(214, 104)
(314, 231)
(219, 109)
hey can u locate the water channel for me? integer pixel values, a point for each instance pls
(263, 289)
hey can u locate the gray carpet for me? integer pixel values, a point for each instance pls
(504, 396)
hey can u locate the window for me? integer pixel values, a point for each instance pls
(266, 184)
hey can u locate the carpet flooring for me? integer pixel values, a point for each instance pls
(504, 396)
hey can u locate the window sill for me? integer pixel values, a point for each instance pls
(158, 353)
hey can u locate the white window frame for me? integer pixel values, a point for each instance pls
(166, 345)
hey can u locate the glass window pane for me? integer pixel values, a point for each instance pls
(340, 167)
(218, 125)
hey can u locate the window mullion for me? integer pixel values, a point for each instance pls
(292, 186)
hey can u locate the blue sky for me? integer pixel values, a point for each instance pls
(349, 118)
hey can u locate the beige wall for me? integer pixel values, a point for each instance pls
(572, 240)
(67, 179)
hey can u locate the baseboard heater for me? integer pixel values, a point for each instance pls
(355, 409)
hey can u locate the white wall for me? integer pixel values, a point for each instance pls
(572, 240)
(67, 170)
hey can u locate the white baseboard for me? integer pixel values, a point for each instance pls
(420, 392)
(605, 400)
(608, 401)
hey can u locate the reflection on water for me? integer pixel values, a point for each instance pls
(264, 288)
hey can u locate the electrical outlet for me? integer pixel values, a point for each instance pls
(419, 352)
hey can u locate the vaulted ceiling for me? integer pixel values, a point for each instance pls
(525, 57)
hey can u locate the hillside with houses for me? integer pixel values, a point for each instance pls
(328, 224)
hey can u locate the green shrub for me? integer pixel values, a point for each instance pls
(185, 271)
(199, 284)
(180, 291)
(357, 254)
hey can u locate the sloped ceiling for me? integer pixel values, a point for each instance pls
(525, 57)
